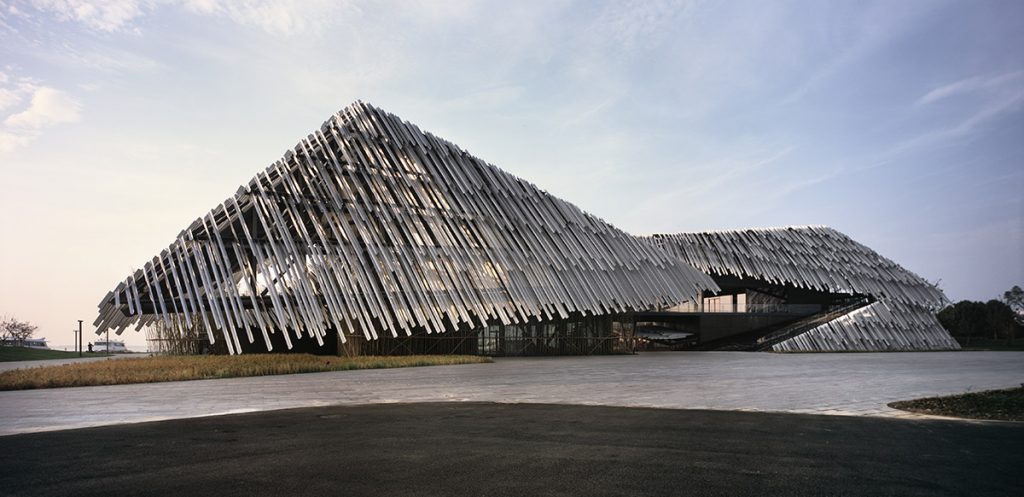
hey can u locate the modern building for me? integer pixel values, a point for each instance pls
(371, 236)
(804, 289)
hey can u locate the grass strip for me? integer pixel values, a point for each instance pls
(10, 354)
(180, 368)
(987, 344)
(1005, 405)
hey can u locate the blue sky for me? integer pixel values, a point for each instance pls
(897, 122)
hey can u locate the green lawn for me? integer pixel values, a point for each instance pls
(1006, 405)
(987, 344)
(179, 368)
(26, 354)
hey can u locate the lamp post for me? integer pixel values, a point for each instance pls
(75, 343)
(79, 338)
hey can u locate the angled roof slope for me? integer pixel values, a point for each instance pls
(815, 257)
(821, 258)
(371, 225)
(880, 326)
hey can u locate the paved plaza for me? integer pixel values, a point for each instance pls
(842, 384)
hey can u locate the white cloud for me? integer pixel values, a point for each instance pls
(8, 98)
(48, 107)
(783, 190)
(1001, 94)
(639, 24)
(711, 188)
(489, 98)
(996, 109)
(966, 127)
(870, 30)
(202, 6)
(107, 58)
(11, 141)
(282, 17)
(104, 15)
(970, 85)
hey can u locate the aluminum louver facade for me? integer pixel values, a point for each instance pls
(902, 316)
(372, 226)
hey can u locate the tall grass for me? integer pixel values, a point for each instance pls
(180, 368)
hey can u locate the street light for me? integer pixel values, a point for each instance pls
(75, 343)
(79, 338)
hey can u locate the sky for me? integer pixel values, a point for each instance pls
(899, 123)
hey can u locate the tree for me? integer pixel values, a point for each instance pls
(967, 320)
(1015, 299)
(999, 319)
(963, 320)
(16, 332)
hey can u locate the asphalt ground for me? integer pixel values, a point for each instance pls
(485, 449)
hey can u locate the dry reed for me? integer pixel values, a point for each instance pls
(181, 368)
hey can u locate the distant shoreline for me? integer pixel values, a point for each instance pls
(138, 349)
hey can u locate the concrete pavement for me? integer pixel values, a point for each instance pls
(842, 384)
(87, 357)
(472, 449)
